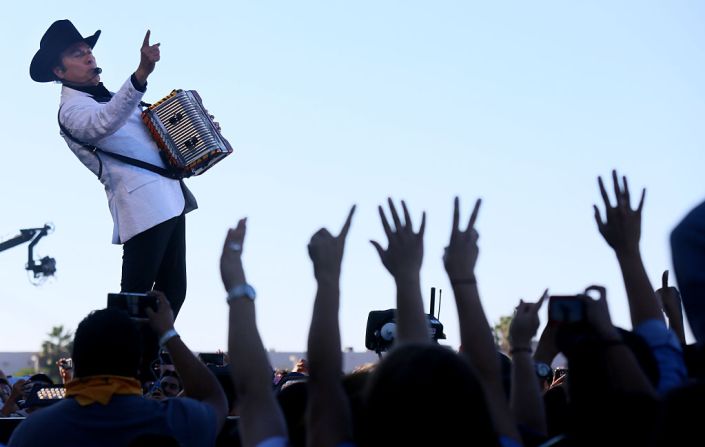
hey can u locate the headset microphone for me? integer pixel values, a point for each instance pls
(97, 70)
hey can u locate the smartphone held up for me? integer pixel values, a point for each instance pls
(565, 309)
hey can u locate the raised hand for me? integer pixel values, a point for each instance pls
(461, 253)
(65, 370)
(671, 302)
(328, 421)
(404, 253)
(326, 251)
(525, 323)
(622, 225)
(597, 314)
(163, 319)
(231, 270)
(149, 56)
(669, 296)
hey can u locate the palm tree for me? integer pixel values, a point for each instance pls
(58, 345)
(501, 333)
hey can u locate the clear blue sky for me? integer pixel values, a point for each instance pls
(333, 103)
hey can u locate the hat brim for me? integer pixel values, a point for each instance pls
(40, 70)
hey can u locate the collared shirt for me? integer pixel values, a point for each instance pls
(100, 93)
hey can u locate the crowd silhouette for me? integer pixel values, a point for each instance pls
(622, 386)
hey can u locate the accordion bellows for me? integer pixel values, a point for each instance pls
(188, 138)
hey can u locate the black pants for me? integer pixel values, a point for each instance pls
(156, 260)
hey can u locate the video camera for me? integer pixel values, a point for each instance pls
(382, 327)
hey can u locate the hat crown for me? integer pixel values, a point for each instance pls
(60, 32)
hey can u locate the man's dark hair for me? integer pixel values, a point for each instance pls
(60, 65)
(431, 382)
(107, 342)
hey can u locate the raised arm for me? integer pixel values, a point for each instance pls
(403, 258)
(475, 333)
(90, 121)
(622, 230)
(625, 372)
(329, 422)
(149, 56)
(260, 415)
(198, 381)
(526, 397)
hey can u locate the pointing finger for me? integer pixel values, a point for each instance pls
(145, 43)
(346, 226)
(538, 304)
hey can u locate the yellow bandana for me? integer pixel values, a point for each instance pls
(101, 389)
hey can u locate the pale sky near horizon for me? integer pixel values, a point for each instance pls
(330, 104)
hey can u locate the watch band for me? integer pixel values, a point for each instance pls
(168, 335)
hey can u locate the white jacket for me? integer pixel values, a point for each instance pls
(138, 199)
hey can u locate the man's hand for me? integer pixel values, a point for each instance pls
(671, 303)
(231, 270)
(669, 296)
(461, 253)
(597, 314)
(326, 251)
(163, 319)
(404, 254)
(525, 323)
(65, 371)
(622, 227)
(149, 56)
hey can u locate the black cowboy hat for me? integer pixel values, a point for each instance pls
(60, 35)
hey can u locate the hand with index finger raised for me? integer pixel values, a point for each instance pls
(149, 56)
(525, 322)
(326, 250)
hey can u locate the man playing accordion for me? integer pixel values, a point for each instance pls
(148, 209)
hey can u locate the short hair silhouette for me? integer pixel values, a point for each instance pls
(426, 395)
(107, 342)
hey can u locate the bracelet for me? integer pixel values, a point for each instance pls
(457, 282)
(168, 335)
(514, 350)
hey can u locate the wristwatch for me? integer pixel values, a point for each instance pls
(241, 291)
(543, 370)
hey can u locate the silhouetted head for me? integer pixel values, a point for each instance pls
(600, 409)
(107, 342)
(426, 395)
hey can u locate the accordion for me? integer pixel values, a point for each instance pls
(189, 140)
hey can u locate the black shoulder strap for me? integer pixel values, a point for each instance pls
(123, 158)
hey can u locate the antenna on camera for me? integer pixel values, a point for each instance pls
(433, 300)
(432, 311)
